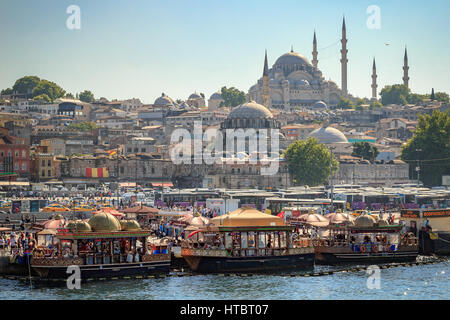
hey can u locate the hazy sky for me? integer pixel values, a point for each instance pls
(142, 48)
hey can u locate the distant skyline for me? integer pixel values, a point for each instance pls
(141, 48)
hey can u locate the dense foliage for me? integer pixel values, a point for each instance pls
(365, 150)
(310, 162)
(429, 148)
(232, 97)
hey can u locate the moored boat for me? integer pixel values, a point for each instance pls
(101, 247)
(366, 242)
(247, 240)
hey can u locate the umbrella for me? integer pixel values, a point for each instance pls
(281, 214)
(199, 221)
(140, 210)
(193, 233)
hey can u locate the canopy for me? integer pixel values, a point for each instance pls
(112, 211)
(248, 217)
(314, 219)
(162, 184)
(53, 224)
(140, 210)
(338, 217)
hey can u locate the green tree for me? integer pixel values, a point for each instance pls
(429, 148)
(310, 162)
(232, 97)
(443, 97)
(415, 98)
(86, 96)
(49, 88)
(432, 97)
(26, 85)
(365, 150)
(7, 91)
(69, 96)
(395, 94)
(83, 126)
(43, 98)
(375, 105)
(344, 103)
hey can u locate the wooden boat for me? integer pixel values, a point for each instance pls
(246, 240)
(366, 242)
(434, 236)
(102, 247)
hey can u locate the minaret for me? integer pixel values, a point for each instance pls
(314, 53)
(344, 59)
(265, 88)
(405, 70)
(374, 81)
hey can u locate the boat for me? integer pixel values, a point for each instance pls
(366, 241)
(246, 240)
(434, 235)
(101, 247)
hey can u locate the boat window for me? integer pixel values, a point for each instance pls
(262, 239)
(228, 241)
(244, 242)
(276, 242)
(251, 239)
(282, 239)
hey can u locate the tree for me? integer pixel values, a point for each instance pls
(86, 96)
(365, 150)
(432, 97)
(49, 88)
(415, 98)
(25, 85)
(43, 98)
(442, 97)
(202, 95)
(310, 162)
(344, 103)
(7, 91)
(429, 148)
(232, 97)
(83, 126)
(69, 96)
(395, 94)
(375, 105)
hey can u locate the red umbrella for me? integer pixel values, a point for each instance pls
(281, 214)
(193, 233)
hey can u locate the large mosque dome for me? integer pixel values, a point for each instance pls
(250, 110)
(291, 59)
(328, 135)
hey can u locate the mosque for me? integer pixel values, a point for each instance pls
(293, 82)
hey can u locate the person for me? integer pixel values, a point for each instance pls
(427, 225)
(12, 241)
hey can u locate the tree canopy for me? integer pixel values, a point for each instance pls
(344, 103)
(310, 162)
(401, 95)
(26, 85)
(43, 98)
(232, 97)
(86, 96)
(49, 88)
(431, 146)
(83, 126)
(365, 150)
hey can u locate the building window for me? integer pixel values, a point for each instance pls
(153, 170)
(49, 173)
(49, 163)
(43, 173)
(24, 166)
(24, 154)
(43, 163)
(122, 170)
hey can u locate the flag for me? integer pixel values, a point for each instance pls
(97, 172)
(112, 152)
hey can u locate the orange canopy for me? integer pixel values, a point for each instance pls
(247, 217)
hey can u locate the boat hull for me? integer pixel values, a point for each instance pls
(336, 256)
(204, 264)
(104, 271)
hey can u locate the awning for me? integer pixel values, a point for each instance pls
(162, 184)
(14, 183)
(127, 184)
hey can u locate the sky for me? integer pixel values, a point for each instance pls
(141, 48)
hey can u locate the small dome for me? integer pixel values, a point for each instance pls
(78, 226)
(164, 101)
(129, 225)
(104, 221)
(328, 135)
(195, 96)
(250, 110)
(216, 96)
(320, 105)
(364, 221)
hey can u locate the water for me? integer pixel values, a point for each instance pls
(416, 282)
